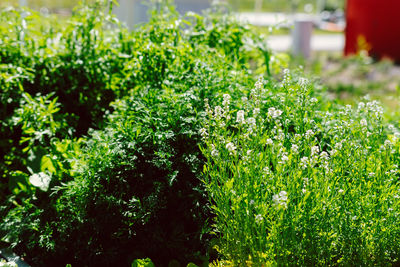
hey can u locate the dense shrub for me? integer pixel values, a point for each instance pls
(131, 188)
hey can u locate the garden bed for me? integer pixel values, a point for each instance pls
(185, 141)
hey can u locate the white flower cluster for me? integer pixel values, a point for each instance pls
(286, 77)
(259, 218)
(203, 132)
(41, 180)
(295, 149)
(304, 162)
(309, 134)
(280, 200)
(214, 151)
(231, 148)
(240, 117)
(274, 113)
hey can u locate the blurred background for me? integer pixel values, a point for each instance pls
(237, 5)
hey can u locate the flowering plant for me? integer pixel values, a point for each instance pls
(296, 182)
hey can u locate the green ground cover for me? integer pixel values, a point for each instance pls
(187, 142)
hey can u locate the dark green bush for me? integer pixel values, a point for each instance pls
(131, 188)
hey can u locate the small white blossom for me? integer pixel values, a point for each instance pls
(267, 171)
(313, 100)
(340, 191)
(256, 111)
(231, 148)
(240, 117)
(280, 200)
(214, 151)
(252, 122)
(274, 113)
(259, 84)
(295, 149)
(259, 218)
(309, 134)
(363, 122)
(388, 143)
(303, 82)
(218, 112)
(227, 100)
(269, 141)
(324, 155)
(333, 152)
(304, 162)
(314, 150)
(41, 180)
(203, 133)
(284, 158)
(338, 146)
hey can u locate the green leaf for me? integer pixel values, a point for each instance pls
(142, 263)
(46, 164)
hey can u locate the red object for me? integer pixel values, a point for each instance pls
(373, 25)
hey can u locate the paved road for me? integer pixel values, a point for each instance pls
(321, 42)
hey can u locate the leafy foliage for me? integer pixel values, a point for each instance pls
(299, 181)
(131, 188)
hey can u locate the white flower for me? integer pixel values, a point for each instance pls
(340, 191)
(309, 133)
(256, 111)
(203, 133)
(41, 180)
(218, 112)
(363, 122)
(259, 84)
(227, 100)
(324, 155)
(231, 147)
(259, 218)
(284, 158)
(280, 200)
(240, 117)
(303, 82)
(274, 113)
(267, 171)
(214, 151)
(304, 161)
(252, 122)
(269, 141)
(295, 149)
(313, 100)
(314, 150)
(388, 143)
(338, 146)
(244, 99)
